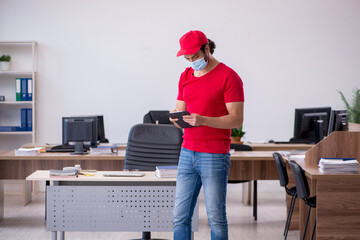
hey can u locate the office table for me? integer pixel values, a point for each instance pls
(98, 203)
(255, 146)
(338, 204)
(279, 147)
(337, 194)
(254, 165)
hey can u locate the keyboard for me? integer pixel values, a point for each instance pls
(123, 174)
(282, 142)
(61, 148)
(291, 142)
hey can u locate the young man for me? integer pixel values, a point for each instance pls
(213, 95)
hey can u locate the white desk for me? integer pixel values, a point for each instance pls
(131, 204)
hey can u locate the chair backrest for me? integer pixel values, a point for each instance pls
(151, 145)
(281, 168)
(153, 116)
(302, 187)
(240, 147)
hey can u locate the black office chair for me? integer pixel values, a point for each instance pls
(240, 147)
(243, 147)
(157, 116)
(302, 189)
(284, 181)
(151, 145)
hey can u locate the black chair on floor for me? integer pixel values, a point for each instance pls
(157, 117)
(284, 181)
(151, 145)
(243, 147)
(302, 189)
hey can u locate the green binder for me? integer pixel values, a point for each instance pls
(18, 89)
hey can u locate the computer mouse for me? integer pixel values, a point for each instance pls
(271, 141)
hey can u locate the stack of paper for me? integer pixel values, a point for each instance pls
(297, 158)
(292, 152)
(166, 171)
(63, 173)
(103, 150)
(27, 151)
(338, 165)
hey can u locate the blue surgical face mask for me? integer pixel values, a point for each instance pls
(199, 65)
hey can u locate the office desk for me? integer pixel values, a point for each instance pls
(338, 204)
(255, 165)
(255, 146)
(338, 194)
(97, 203)
(19, 167)
(279, 147)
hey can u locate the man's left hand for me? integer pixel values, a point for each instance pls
(194, 119)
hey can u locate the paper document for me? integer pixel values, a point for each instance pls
(292, 152)
(338, 165)
(297, 157)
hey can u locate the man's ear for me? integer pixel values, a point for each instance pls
(207, 49)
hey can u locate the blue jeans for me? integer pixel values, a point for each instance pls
(211, 171)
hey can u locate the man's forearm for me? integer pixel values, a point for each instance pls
(224, 122)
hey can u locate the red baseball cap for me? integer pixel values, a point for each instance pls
(191, 43)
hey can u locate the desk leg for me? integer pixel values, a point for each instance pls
(246, 193)
(1, 200)
(255, 200)
(54, 235)
(27, 192)
(62, 235)
(47, 183)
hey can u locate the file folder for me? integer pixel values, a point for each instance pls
(29, 119)
(23, 119)
(9, 128)
(29, 89)
(24, 92)
(18, 89)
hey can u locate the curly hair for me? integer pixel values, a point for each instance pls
(212, 46)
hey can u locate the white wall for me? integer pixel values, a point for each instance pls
(118, 58)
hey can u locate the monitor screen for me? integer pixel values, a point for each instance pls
(338, 121)
(311, 124)
(80, 129)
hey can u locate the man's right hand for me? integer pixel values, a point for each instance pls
(180, 106)
(174, 120)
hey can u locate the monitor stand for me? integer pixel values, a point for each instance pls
(79, 149)
(319, 135)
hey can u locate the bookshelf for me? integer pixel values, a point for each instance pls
(23, 65)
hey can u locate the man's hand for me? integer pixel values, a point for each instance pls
(194, 119)
(232, 120)
(180, 106)
(173, 120)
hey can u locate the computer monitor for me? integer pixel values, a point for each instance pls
(79, 132)
(338, 121)
(101, 130)
(311, 124)
(100, 127)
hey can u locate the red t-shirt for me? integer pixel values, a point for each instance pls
(207, 96)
